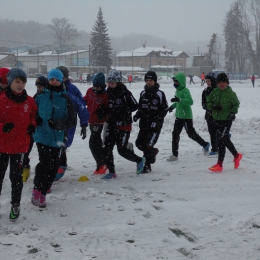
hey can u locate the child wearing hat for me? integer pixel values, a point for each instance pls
(55, 116)
(40, 84)
(3, 79)
(152, 109)
(96, 98)
(224, 104)
(17, 124)
(121, 104)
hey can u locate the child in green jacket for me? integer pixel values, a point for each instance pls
(223, 103)
(184, 118)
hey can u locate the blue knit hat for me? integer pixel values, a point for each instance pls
(14, 73)
(56, 74)
(99, 80)
(42, 81)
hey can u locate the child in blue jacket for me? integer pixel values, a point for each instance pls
(56, 115)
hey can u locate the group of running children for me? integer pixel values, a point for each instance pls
(49, 119)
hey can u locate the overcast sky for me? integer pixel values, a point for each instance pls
(176, 20)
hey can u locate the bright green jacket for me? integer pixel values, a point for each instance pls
(183, 108)
(227, 99)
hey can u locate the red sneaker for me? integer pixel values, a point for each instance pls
(216, 168)
(237, 160)
(101, 170)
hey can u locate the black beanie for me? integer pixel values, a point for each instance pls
(42, 81)
(150, 75)
(222, 77)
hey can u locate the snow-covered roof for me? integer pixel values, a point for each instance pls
(144, 51)
(3, 56)
(49, 53)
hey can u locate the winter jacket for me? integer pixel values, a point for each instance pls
(206, 92)
(83, 115)
(183, 108)
(19, 110)
(95, 101)
(54, 104)
(227, 99)
(71, 88)
(152, 109)
(121, 104)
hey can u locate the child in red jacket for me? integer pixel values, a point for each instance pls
(17, 124)
(96, 97)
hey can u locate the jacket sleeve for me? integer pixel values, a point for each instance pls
(235, 103)
(204, 101)
(70, 120)
(34, 112)
(163, 107)
(131, 102)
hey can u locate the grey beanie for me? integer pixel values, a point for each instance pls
(14, 73)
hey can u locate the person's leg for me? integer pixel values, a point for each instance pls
(213, 135)
(188, 124)
(16, 170)
(178, 125)
(47, 168)
(4, 160)
(96, 144)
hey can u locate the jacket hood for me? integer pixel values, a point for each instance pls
(181, 79)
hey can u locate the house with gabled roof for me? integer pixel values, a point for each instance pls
(146, 57)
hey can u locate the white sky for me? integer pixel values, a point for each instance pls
(176, 20)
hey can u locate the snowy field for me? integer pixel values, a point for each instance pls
(180, 210)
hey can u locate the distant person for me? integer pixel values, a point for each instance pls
(202, 77)
(130, 79)
(253, 80)
(191, 79)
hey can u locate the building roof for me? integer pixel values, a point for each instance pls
(145, 51)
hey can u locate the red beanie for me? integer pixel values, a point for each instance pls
(3, 75)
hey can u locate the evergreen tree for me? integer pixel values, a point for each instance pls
(212, 51)
(100, 44)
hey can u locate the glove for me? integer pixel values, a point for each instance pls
(231, 116)
(170, 109)
(30, 130)
(83, 132)
(39, 120)
(175, 99)
(51, 123)
(8, 127)
(217, 107)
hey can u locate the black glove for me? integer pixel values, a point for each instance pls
(8, 127)
(170, 109)
(231, 116)
(175, 99)
(51, 123)
(39, 120)
(83, 132)
(217, 107)
(30, 130)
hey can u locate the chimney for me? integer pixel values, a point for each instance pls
(164, 46)
(143, 45)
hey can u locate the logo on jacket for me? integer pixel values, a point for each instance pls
(155, 101)
(118, 101)
(25, 107)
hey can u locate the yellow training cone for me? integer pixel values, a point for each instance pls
(83, 178)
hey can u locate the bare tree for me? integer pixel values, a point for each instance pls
(63, 31)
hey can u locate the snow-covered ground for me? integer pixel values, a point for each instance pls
(180, 210)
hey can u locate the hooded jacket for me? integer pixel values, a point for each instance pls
(58, 107)
(183, 108)
(227, 99)
(22, 114)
